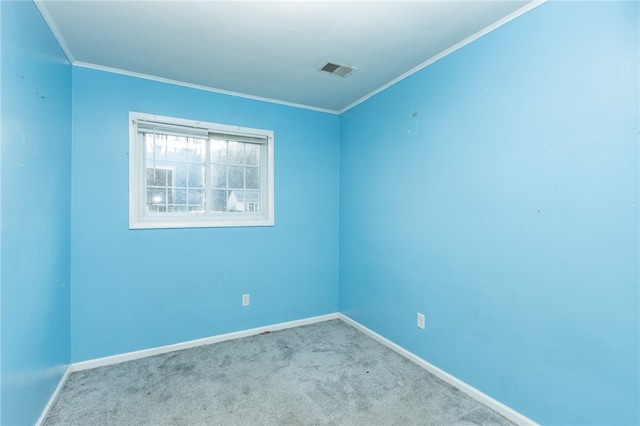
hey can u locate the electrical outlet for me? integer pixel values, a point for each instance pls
(245, 300)
(421, 320)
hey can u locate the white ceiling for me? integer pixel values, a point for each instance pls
(272, 49)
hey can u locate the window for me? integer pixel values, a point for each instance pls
(184, 174)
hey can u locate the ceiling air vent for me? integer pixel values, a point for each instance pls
(336, 68)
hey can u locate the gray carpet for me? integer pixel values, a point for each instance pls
(322, 374)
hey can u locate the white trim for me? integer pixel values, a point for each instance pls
(497, 406)
(459, 45)
(129, 356)
(139, 217)
(198, 87)
(54, 29)
(479, 396)
(54, 396)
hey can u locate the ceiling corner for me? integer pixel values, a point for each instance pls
(40, 4)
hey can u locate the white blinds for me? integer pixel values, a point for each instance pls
(171, 129)
(197, 132)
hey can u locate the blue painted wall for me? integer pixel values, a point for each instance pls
(137, 289)
(496, 191)
(506, 210)
(36, 199)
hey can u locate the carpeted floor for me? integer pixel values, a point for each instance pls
(322, 374)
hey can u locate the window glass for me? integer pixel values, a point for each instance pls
(182, 176)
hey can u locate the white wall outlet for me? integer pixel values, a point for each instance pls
(421, 320)
(245, 300)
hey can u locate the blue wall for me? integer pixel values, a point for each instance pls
(36, 192)
(137, 289)
(496, 191)
(506, 210)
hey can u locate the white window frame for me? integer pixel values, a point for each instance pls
(140, 219)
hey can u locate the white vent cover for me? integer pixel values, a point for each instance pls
(336, 68)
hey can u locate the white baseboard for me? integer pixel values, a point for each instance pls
(129, 356)
(497, 406)
(54, 396)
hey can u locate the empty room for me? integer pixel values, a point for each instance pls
(320, 212)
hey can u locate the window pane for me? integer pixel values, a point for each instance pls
(236, 177)
(196, 198)
(181, 175)
(233, 204)
(158, 177)
(196, 175)
(252, 196)
(219, 176)
(251, 207)
(253, 178)
(218, 151)
(180, 196)
(196, 150)
(155, 196)
(149, 144)
(176, 148)
(236, 153)
(157, 199)
(252, 151)
(219, 203)
(239, 194)
(156, 146)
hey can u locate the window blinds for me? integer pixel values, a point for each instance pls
(197, 132)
